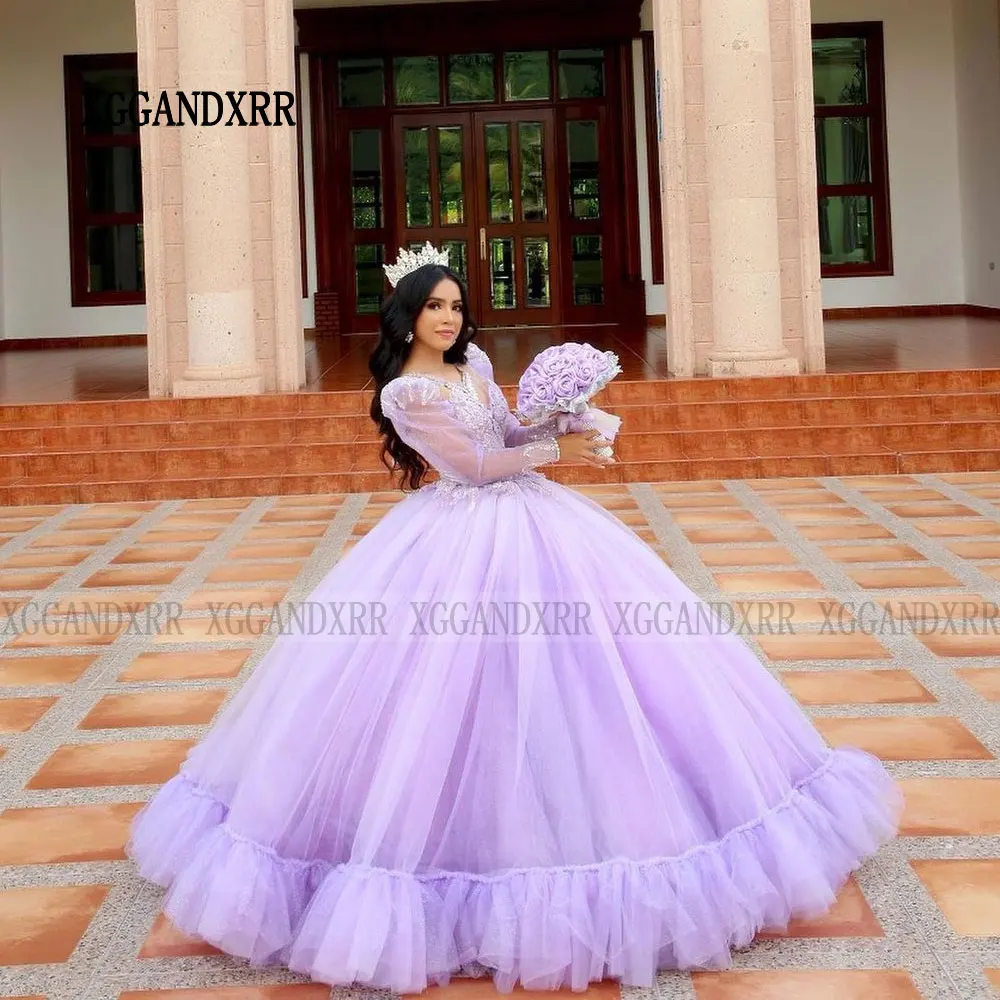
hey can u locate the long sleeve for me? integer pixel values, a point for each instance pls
(516, 433)
(425, 418)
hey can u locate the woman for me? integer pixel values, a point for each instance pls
(498, 768)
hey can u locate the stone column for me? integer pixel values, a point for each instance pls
(742, 190)
(215, 174)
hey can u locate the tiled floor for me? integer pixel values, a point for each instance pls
(913, 344)
(888, 587)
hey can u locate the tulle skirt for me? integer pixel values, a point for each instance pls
(480, 748)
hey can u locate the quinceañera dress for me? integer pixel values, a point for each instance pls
(546, 794)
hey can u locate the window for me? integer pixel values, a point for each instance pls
(105, 181)
(853, 182)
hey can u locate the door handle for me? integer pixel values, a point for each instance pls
(482, 243)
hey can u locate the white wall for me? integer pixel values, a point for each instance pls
(977, 49)
(34, 208)
(924, 190)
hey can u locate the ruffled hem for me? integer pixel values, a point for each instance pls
(542, 928)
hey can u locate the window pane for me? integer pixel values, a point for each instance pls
(362, 83)
(533, 207)
(416, 152)
(450, 171)
(843, 155)
(846, 230)
(502, 294)
(106, 96)
(526, 76)
(366, 178)
(114, 259)
(581, 73)
(368, 276)
(536, 264)
(840, 71)
(470, 78)
(501, 190)
(458, 257)
(588, 271)
(584, 172)
(114, 179)
(417, 80)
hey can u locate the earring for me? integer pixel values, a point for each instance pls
(409, 337)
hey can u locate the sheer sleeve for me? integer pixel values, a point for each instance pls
(424, 417)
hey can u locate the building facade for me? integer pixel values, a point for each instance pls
(723, 170)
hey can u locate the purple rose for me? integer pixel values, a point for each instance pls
(567, 386)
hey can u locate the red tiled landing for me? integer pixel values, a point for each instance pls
(674, 429)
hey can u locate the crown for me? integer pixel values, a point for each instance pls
(408, 261)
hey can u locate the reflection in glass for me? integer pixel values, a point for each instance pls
(114, 179)
(536, 265)
(106, 96)
(458, 257)
(846, 230)
(114, 258)
(532, 150)
(842, 151)
(501, 188)
(584, 172)
(366, 178)
(526, 76)
(368, 276)
(450, 175)
(417, 80)
(417, 171)
(362, 83)
(581, 73)
(502, 293)
(588, 271)
(471, 78)
(840, 71)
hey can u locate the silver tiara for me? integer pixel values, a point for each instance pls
(408, 261)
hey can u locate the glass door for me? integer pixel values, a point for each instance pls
(517, 215)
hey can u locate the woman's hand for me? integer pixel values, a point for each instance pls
(581, 447)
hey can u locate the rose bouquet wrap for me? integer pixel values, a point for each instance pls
(563, 379)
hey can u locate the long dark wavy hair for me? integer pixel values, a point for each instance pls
(398, 315)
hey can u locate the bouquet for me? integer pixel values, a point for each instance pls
(563, 379)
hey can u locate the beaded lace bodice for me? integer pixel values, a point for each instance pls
(465, 430)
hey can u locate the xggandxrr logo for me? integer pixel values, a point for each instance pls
(203, 107)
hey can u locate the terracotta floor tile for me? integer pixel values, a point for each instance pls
(813, 646)
(843, 532)
(850, 916)
(202, 519)
(96, 521)
(304, 991)
(275, 550)
(810, 515)
(788, 613)
(871, 553)
(166, 941)
(97, 603)
(18, 715)
(993, 975)
(154, 708)
(34, 671)
(802, 498)
(975, 550)
(241, 599)
(991, 571)
(218, 503)
(284, 515)
(806, 984)
(782, 484)
(69, 539)
(930, 611)
(158, 553)
(90, 765)
(950, 807)
(967, 891)
(26, 581)
(750, 533)
(707, 518)
(133, 576)
(38, 560)
(905, 737)
(199, 665)
(40, 925)
(678, 501)
(915, 493)
(60, 834)
(250, 572)
(305, 530)
(764, 555)
(767, 582)
(957, 528)
(221, 628)
(71, 632)
(166, 536)
(985, 680)
(855, 687)
(15, 525)
(874, 483)
(706, 486)
(903, 577)
(331, 499)
(912, 510)
(970, 644)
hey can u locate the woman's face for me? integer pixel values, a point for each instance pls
(440, 320)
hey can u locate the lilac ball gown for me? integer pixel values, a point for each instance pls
(556, 804)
